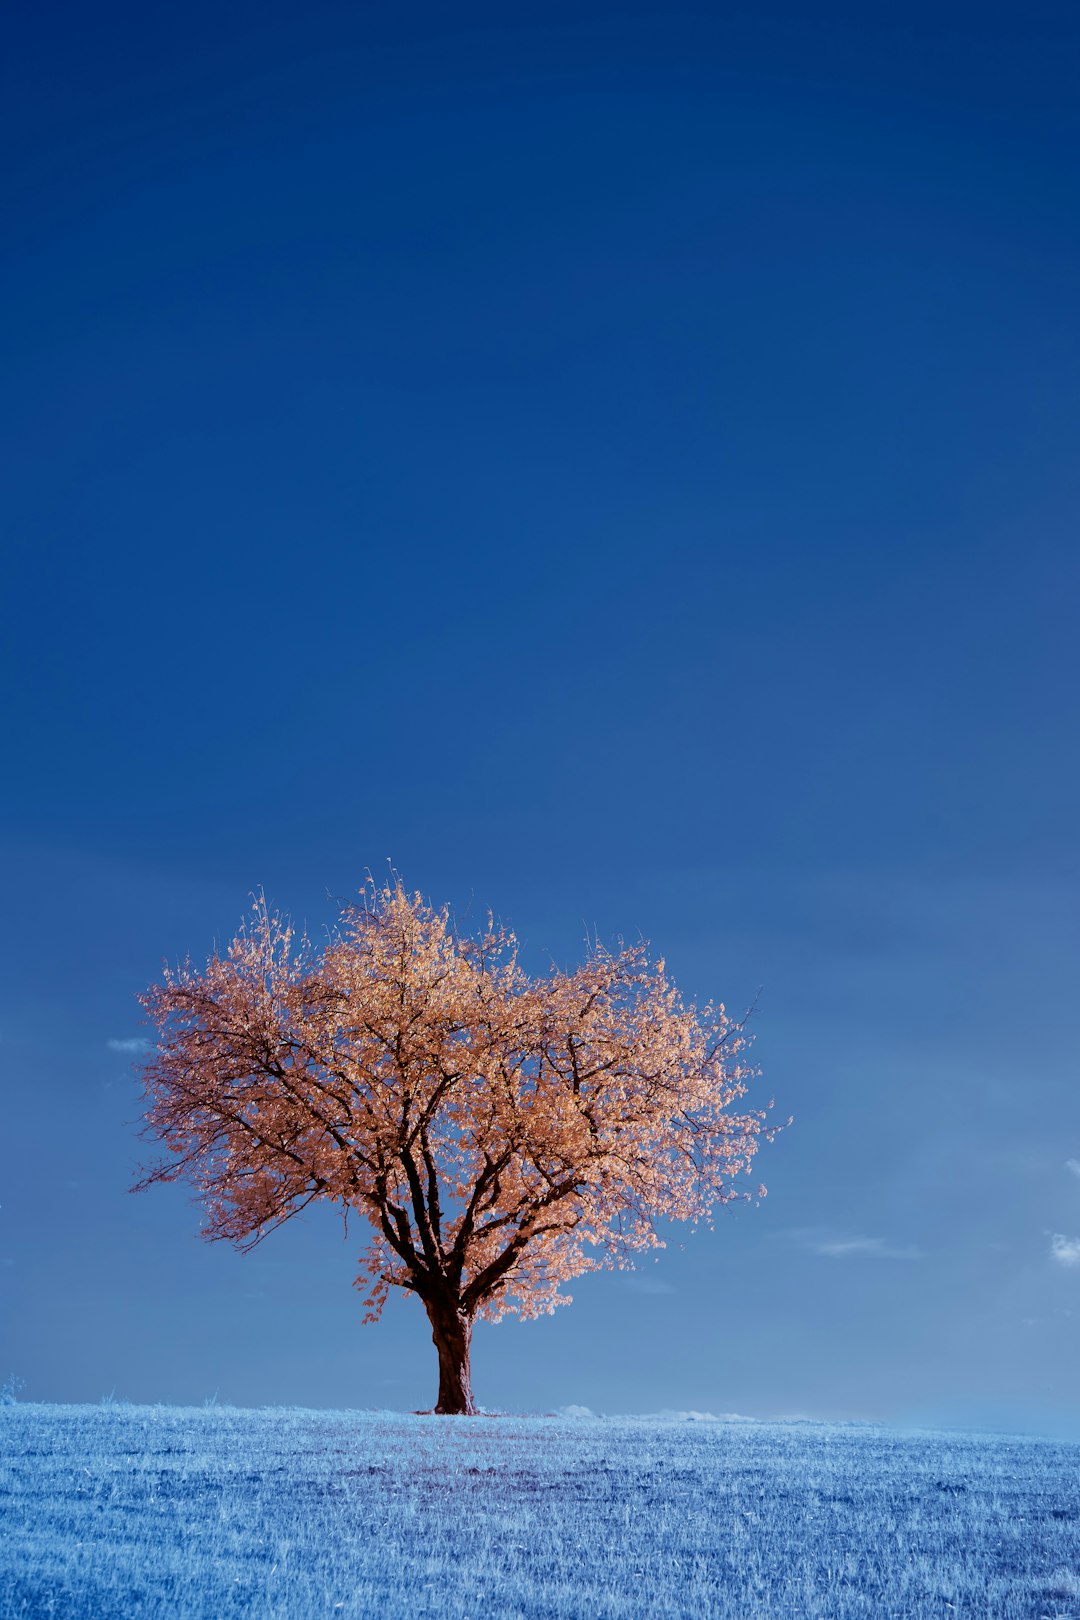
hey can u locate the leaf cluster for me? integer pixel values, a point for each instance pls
(499, 1133)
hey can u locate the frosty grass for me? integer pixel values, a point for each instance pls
(118, 1511)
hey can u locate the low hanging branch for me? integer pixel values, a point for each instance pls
(500, 1134)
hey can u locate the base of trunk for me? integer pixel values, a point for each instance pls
(451, 1334)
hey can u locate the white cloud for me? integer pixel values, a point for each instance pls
(862, 1248)
(137, 1044)
(1073, 1165)
(645, 1285)
(1065, 1250)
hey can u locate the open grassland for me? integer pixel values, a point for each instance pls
(164, 1511)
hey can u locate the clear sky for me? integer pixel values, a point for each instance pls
(621, 463)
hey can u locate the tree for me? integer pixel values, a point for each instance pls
(501, 1134)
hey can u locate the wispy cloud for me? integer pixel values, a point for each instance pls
(645, 1285)
(1065, 1250)
(136, 1044)
(858, 1248)
(1073, 1165)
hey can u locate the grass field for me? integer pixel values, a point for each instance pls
(153, 1511)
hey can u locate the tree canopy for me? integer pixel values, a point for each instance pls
(500, 1133)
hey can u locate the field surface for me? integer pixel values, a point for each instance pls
(118, 1511)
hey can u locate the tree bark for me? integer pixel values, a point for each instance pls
(451, 1334)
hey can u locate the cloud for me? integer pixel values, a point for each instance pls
(137, 1044)
(1065, 1250)
(1073, 1165)
(861, 1248)
(645, 1285)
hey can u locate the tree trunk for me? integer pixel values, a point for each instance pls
(451, 1334)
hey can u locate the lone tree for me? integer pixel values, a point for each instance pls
(500, 1133)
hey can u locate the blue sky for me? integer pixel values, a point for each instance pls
(619, 462)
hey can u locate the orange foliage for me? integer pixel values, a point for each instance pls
(501, 1134)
